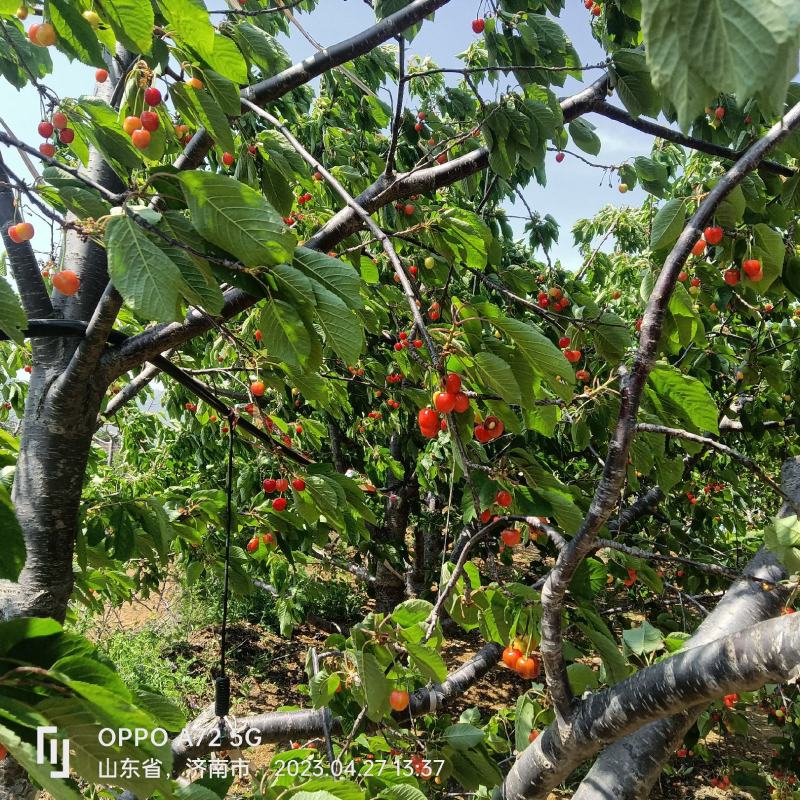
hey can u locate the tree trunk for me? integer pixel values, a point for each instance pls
(54, 449)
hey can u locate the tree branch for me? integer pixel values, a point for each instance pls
(748, 462)
(605, 109)
(607, 493)
(745, 661)
(24, 265)
(398, 111)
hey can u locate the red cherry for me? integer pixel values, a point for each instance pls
(731, 277)
(67, 136)
(269, 485)
(150, 120)
(573, 356)
(47, 149)
(282, 484)
(486, 515)
(418, 127)
(713, 235)
(442, 159)
(528, 667)
(478, 25)
(101, 75)
(66, 282)
(559, 157)
(699, 247)
(13, 235)
(258, 336)
(452, 383)
(252, 149)
(257, 388)
(279, 504)
(298, 484)
(45, 129)
(683, 276)
(409, 210)
(482, 435)
(152, 96)
(583, 375)
(752, 268)
(399, 700)
(533, 736)
(228, 160)
(252, 545)
(445, 402)
(564, 341)
(462, 403)
(695, 281)
(141, 139)
(596, 10)
(59, 120)
(504, 498)
(417, 343)
(719, 113)
(510, 657)
(511, 537)
(495, 426)
(22, 232)
(421, 116)
(427, 418)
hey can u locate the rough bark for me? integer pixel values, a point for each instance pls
(745, 661)
(629, 768)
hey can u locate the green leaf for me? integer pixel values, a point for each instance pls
(613, 660)
(83, 202)
(335, 275)
(581, 677)
(428, 661)
(411, 612)
(166, 713)
(264, 50)
(227, 59)
(284, 332)
(12, 317)
(542, 355)
(612, 337)
(236, 218)
(142, 273)
(767, 246)
(694, 49)
(12, 551)
(668, 224)
(496, 376)
(200, 106)
(463, 736)
(402, 791)
(195, 271)
(132, 22)
(375, 684)
(76, 37)
(104, 132)
(188, 20)
(322, 687)
(343, 331)
(687, 394)
(643, 640)
(582, 133)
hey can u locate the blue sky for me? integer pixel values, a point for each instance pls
(574, 189)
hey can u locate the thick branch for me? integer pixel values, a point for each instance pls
(322, 61)
(746, 461)
(646, 126)
(745, 661)
(24, 266)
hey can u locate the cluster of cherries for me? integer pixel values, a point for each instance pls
(42, 34)
(552, 295)
(304, 198)
(573, 356)
(404, 341)
(268, 539)
(139, 128)
(281, 485)
(526, 666)
(595, 9)
(58, 122)
(445, 402)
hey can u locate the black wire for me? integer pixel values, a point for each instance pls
(228, 517)
(222, 686)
